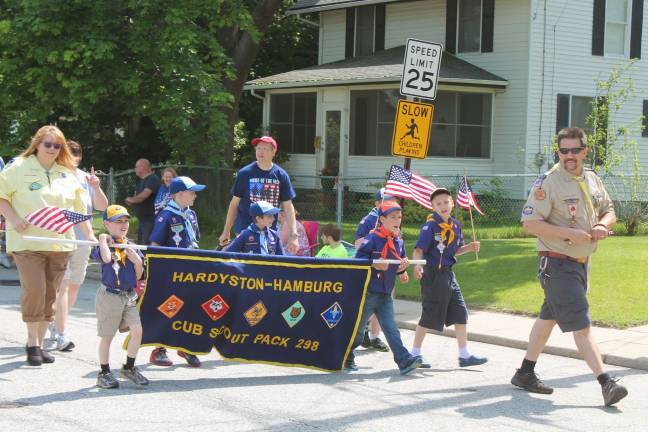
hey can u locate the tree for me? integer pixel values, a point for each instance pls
(128, 78)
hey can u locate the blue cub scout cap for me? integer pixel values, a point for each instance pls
(380, 195)
(183, 183)
(261, 208)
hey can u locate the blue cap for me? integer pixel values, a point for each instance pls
(183, 183)
(380, 195)
(261, 208)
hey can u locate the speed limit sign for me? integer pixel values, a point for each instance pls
(421, 69)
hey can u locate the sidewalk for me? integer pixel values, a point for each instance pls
(626, 348)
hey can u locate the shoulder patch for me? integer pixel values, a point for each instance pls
(528, 210)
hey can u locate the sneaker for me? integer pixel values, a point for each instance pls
(64, 344)
(411, 364)
(192, 360)
(379, 345)
(5, 261)
(366, 341)
(529, 381)
(47, 357)
(473, 360)
(159, 357)
(134, 375)
(350, 366)
(106, 380)
(613, 392)
(34, 356)
(424, 363)
(52, 330)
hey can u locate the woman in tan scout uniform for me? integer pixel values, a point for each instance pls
(41, 176)
(570, 212)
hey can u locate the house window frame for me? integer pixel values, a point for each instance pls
(293, 92)
(571, 108)
(458, 31)
(627, 33)
(355, 30)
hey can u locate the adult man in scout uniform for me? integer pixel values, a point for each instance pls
(570, 212)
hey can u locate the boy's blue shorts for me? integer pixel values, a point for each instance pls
(443, 304)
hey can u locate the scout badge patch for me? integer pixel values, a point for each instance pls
(539, 194)
(572, 208)
(35, 186)
(177, 229)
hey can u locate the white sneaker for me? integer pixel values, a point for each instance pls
(52, 330)
(64, 344)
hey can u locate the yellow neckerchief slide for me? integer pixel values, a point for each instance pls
(120, 253)
(447, 233)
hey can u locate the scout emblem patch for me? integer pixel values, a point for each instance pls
(35, 186)
(332, 315)
(177, 229)
(572, 208)
(171, 306)
(527, 210)
(293, 314)
(215, 307)
(255, 314)
(539, 194)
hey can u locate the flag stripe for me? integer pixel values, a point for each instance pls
(55, 219)
(405, 184)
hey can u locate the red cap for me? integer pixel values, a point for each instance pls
(265, 139)
(389, 207)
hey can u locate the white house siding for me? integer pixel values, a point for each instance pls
(570, 68)
(332, 36)
(418, 20)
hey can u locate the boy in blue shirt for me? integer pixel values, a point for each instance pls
(384, 243)
(177, 226)
(440, 240)
(258, 237)
(116, 301)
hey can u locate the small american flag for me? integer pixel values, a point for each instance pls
(56, 219)
(466, 197)
(403, 183)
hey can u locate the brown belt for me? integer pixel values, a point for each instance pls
(560, 256)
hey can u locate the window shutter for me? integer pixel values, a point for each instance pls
(562, 112)
(635, 32)
(451, 26)
(598, 28)
(379, 34)
(350, 33)
(644, 121)
(488, 25)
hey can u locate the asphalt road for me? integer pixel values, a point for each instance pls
(252, 397)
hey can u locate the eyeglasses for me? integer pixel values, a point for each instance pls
(574, 151)
(48, 144)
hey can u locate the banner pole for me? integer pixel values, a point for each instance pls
(82, 242)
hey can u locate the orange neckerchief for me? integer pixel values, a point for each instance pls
(389, 244)
(120, 252)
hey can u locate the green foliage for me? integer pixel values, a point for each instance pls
(125, 78)
(243, 150)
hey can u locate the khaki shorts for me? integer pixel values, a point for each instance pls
(115, 312)
(76, 268)
(41, 273)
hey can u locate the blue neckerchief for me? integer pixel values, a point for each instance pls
(174, 208)
(263, 237)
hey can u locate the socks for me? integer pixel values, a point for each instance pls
(603, 378)
(416, 351)
(464, 352)
(373, 336)
(105, 368)
(130, 362)
(528, 366)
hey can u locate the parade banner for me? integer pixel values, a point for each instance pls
(290, 311)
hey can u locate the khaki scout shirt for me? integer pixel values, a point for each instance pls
(557, 199)
(27, 187)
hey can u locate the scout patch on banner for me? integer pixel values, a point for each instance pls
(292, 311)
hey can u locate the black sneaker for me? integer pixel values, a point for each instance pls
(350, 366)
(378, 345)
(613, 392)
(473, 360)
(34, 355)
(192, 360)
(410, 365)
(424, 363)
(529, 381)
(134, 375)
(106, 380)
(47, 357)
(366, 341)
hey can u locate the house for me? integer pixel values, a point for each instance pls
(512, 73)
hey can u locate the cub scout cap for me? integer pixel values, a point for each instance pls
(261, 208)
(183, 183)
(380, 195)
(114, 212)
(265, 139)
(387, 208)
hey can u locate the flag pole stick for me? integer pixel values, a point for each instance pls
(472, 223)
(82, 242)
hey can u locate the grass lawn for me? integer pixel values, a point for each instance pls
(504, 279)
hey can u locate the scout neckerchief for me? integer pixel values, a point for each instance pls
(174, 208)
(583, 186)
(382, 232)
(263, 237)
(447, 234)
(119, 255)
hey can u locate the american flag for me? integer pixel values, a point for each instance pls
(403, 183)
(466, 197)
(56, 219)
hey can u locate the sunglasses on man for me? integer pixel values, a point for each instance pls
(48, 144)
(574, 151)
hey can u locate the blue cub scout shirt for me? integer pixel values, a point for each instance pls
(248, 242)
(367, 224)
(169, 230)
(127, 278)
(382, 281)
(434, 250)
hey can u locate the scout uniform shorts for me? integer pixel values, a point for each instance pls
(443, 304)
(115, 312)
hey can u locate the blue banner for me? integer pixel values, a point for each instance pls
(289, 311)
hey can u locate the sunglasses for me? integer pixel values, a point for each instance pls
(48, 144)
(574, 151)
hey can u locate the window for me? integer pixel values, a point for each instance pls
(573, 111)
(461, 127)
(365, 30)
(469, 25)
(292, 121)
(617, 27)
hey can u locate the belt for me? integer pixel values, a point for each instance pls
(582, 260)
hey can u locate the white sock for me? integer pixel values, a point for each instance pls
(464, 352)
(372, 335)
(416, 351)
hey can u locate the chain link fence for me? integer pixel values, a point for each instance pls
(347, 200)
